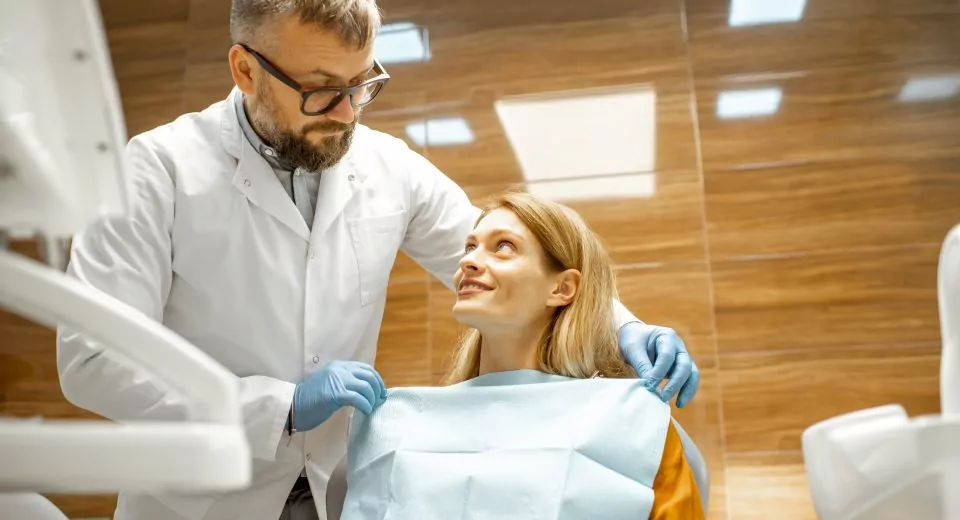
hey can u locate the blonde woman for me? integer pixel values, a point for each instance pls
(541, 417)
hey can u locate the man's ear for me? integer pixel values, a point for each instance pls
(241, 69)
(568, 284)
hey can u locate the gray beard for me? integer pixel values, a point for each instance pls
(296, 151)
(293, 149)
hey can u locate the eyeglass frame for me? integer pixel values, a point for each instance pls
(342, 92)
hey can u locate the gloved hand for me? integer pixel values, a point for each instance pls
(337, 384)
(657, 352)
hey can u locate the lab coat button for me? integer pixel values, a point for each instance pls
(308, 456)
(313, 254)
(316, 359)
(351, 177)
(246, 182)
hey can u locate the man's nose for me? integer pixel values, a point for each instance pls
(343, 112)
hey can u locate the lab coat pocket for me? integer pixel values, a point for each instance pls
(376, 241)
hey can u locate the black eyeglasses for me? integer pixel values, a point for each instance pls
(321, 100)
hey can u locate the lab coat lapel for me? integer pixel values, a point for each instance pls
(337, 187)
(255, 178)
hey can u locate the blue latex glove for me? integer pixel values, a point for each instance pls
(337, 384)
(657, 352)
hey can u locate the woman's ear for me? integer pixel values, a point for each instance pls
(568, 283)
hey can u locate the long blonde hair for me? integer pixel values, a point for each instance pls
(581, 339)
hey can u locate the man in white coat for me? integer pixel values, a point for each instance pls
(263, 230)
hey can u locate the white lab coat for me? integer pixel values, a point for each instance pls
(216, 250)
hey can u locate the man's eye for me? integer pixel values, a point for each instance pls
(468, 248)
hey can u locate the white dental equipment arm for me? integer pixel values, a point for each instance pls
(61, 166)
(97, 456)
(879, 463)
(948, 291)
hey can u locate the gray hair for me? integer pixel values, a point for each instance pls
(356, 21)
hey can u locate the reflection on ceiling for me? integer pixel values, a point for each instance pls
(401, 42)
(930, 88)
(447, 131)
(760, 12)
(582, 134)
(739, 104)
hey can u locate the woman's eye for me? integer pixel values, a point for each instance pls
(504, 246)
(468, 248)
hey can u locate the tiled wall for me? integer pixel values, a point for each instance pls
(795, 251)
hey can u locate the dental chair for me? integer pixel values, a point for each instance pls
(337, 487)
(61, 166)
(879, 463)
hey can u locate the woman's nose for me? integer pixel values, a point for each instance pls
(470, 263)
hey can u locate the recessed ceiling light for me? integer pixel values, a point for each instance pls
(759, 12)
(401, 43)
(928, 88)
(447, 131)
(582, 134)
(738, 104)
(632, 186)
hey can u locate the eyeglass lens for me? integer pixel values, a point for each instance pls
(321, 100)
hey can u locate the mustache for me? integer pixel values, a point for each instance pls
(327, 126)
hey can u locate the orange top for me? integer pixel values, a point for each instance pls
(675, 494)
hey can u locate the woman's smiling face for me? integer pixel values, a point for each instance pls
(505, 279)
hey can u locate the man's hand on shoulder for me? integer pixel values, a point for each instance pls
(657, 353)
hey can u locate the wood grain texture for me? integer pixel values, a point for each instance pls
(888, 42)
(148, 45)
(93, 506)
(541, 58)
(768, 485)
(26, 375)
(769, 398)
(821, 302)
(831, 206)
(403, 352)
(829, 115)
(209, 31)
(12, 324)
(467, 16)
